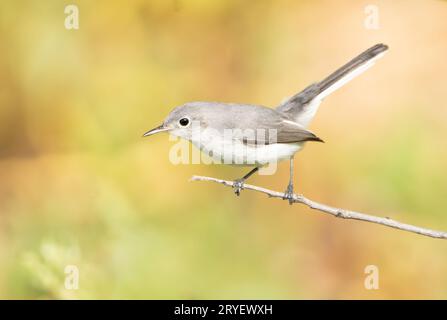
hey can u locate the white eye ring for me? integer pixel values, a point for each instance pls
(184, 122)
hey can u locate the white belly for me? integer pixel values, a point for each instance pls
(237, 153)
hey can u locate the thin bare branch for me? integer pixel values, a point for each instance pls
(336, 212)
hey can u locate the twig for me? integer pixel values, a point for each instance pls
(339, 213)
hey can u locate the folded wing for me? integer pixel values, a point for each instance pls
(284, 131)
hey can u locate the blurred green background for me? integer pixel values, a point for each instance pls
(79, 186)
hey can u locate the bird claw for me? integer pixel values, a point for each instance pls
(288, 194)
(238, 185)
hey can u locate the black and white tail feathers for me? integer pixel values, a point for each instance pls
(303, 106)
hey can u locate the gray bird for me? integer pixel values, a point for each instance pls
(244, 134)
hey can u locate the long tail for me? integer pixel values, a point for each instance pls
(303, 106)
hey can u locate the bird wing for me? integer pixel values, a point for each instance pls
(291, 132)
(256, 125)
(271, 132)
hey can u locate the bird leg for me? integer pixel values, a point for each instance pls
(238, 184)
(288, 194)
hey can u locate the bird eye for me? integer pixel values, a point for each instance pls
(183, 122)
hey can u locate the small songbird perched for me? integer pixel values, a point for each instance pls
(244, 134)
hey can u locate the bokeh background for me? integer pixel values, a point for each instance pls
(79, 186)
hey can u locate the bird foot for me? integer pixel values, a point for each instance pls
(288, 194)
(238, 185)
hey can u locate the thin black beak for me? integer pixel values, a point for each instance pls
(158, 129)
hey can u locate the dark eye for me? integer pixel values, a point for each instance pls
(184, 122)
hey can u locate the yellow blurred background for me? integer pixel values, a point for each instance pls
(79, 186)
